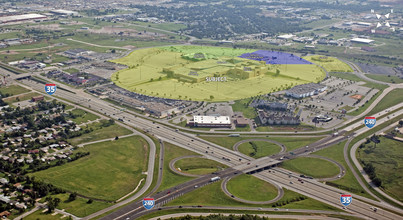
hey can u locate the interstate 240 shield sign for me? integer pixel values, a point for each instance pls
(370, 121)
(148, 203)
(346, 199)
(50, 89)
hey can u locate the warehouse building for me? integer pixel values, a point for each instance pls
(25, 17)
(210, 121)
(361, 40)
(305, 90)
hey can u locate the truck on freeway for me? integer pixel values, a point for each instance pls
(215, 179)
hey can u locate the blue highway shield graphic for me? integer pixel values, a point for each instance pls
(370, 121)
(346, 199)
(148, 203)
(50, 89)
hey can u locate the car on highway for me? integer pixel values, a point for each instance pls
(196, 186)
(291, 182)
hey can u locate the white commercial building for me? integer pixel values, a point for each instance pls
(305, 90)
(25, 17)
(64, 12)
(210, 121)
(286, 36)
(361, 40)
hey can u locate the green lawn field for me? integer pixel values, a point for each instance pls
(348, 181)
(212, 195)
(315, 167)
(251, 188)
(113, 169)
(291, 143)
(262, 149)
(145, 74)
(387, 158)
(394, 97)
(169, 178)
(13, 90)
(82, 116)
(18, 98)
(100, 133)
(79, 207)
(42, 216)
(330, 64)
(385, 78)
(198, 166)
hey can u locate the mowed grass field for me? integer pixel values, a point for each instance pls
(169, 178)
(315, 167)
(83, 116)
(145, 75)
(263, 149)
(100, 133)
(348, 181)
(251, 188)
(387, 158)
(79, 207)
(291, 143)
(113, 169)
(198, 166)
(43, 216)
(13, 90)
(212, 195)
(22, 97)
(385, 78)
(331, 64)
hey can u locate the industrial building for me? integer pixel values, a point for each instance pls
(305, 90)
(25, 17)
(210, 121)
(63, 12)
(361, 40)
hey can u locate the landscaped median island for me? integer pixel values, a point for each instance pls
(314, 167)
(212, 73)
(212, 195)
(251, 188)
(258, 149)
(198, 166)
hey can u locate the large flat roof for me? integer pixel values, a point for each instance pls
(20, 17)
(211, 119)
(361, 40)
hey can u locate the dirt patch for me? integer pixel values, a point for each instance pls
(130, 47)
(356, 96)
(10, 52)
(48, 27)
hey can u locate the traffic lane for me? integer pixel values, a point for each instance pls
(166, 132)
(136, 210)
(329, 194)
(332, 199)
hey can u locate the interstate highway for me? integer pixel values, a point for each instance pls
(179, 138)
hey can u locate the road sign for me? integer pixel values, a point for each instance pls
(370, 121)
(50, 89)
(148, 203)
(346, 199)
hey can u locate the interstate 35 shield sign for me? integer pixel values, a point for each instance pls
(50, 89)
(370, 121)
(148, 203)
(346, 199)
